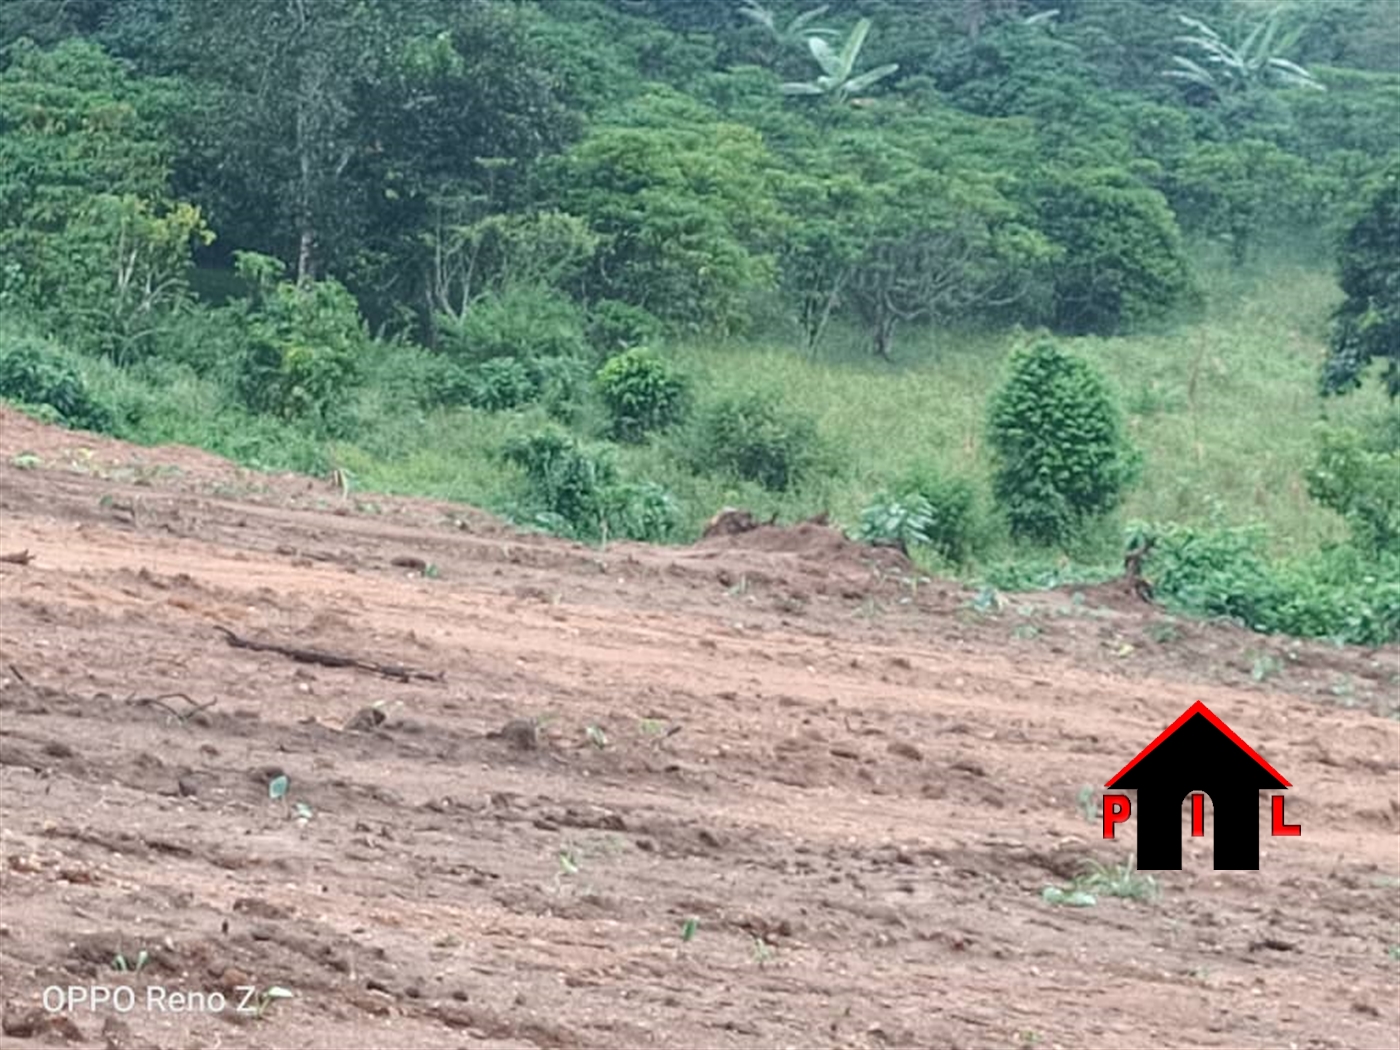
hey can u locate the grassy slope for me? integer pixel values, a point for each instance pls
(1221, 408)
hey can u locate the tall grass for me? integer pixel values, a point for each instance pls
(1221, 408)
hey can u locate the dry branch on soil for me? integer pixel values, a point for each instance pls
(325, 659)
(22, 558)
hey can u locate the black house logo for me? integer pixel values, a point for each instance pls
(1198, 753)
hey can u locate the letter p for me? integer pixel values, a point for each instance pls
(1116, 809)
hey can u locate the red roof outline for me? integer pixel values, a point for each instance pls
(1211, 717)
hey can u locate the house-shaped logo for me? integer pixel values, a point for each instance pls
(1198, 753)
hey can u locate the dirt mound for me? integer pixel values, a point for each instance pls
(813, 540)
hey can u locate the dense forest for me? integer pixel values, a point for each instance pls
(1006, 282)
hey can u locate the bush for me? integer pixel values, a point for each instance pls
(501, 383)
(574, 491)
(641, 394)
(1123, 260)
(524, 323)
(1061, 457)
(34, 375)
(305, 347)
(1361, 484)
(1221, 571)
(565, 479)
(926, 511)
(641, 510)
(614, 325)
(757, 439)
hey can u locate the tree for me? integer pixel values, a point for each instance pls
(684, 208)
(94, 240)
(838, 80)
(1061, 456)
(1254, 62)
(1367, 324)
(1122, 262)
(279, 126)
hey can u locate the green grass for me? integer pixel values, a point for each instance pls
(1221, 408)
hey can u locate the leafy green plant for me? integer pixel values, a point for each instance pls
(641, 394)
(1360, 484)
(756, 438)
(575, 491)
(931, 510)
(122, 965)
(1225, 571)
(565, 478)
(1254, 62)
(501, 383)
(838, 79)
(32, 374)
(305, 347)
(640, 510)
(1117, 880)
(1062, 457)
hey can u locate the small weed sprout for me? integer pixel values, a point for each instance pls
(120, 964)
(1118, 880)
(268, 997)
(1091, 804)
(597, 737)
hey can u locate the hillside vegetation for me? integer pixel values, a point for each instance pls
(1016, 285)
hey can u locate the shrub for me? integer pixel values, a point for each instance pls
(1223, 571)
(640, 393)
(757, 439)
(306, 345)
(1123, 261)
(614, 325)
(501, 383)
(640, 510)
(1062, 458)
(1361, 484)
(926, 511)
(527, 323)
(34, 375)
(575, 491)
(564, 478)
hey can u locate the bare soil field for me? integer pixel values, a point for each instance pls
(544, 760)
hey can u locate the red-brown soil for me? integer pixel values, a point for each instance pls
(793, 740)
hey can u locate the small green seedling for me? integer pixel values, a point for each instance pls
(304, 812)
(693, 924)
(568, 863)
(1394, 952)
(120, 964)
(597, 737)
(762, 950)
(653, 726)
(432, 572)
(1091, 804)
(277, 787)
(25, 461)
(269, 997)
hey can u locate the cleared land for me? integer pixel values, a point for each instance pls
(856, 782)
